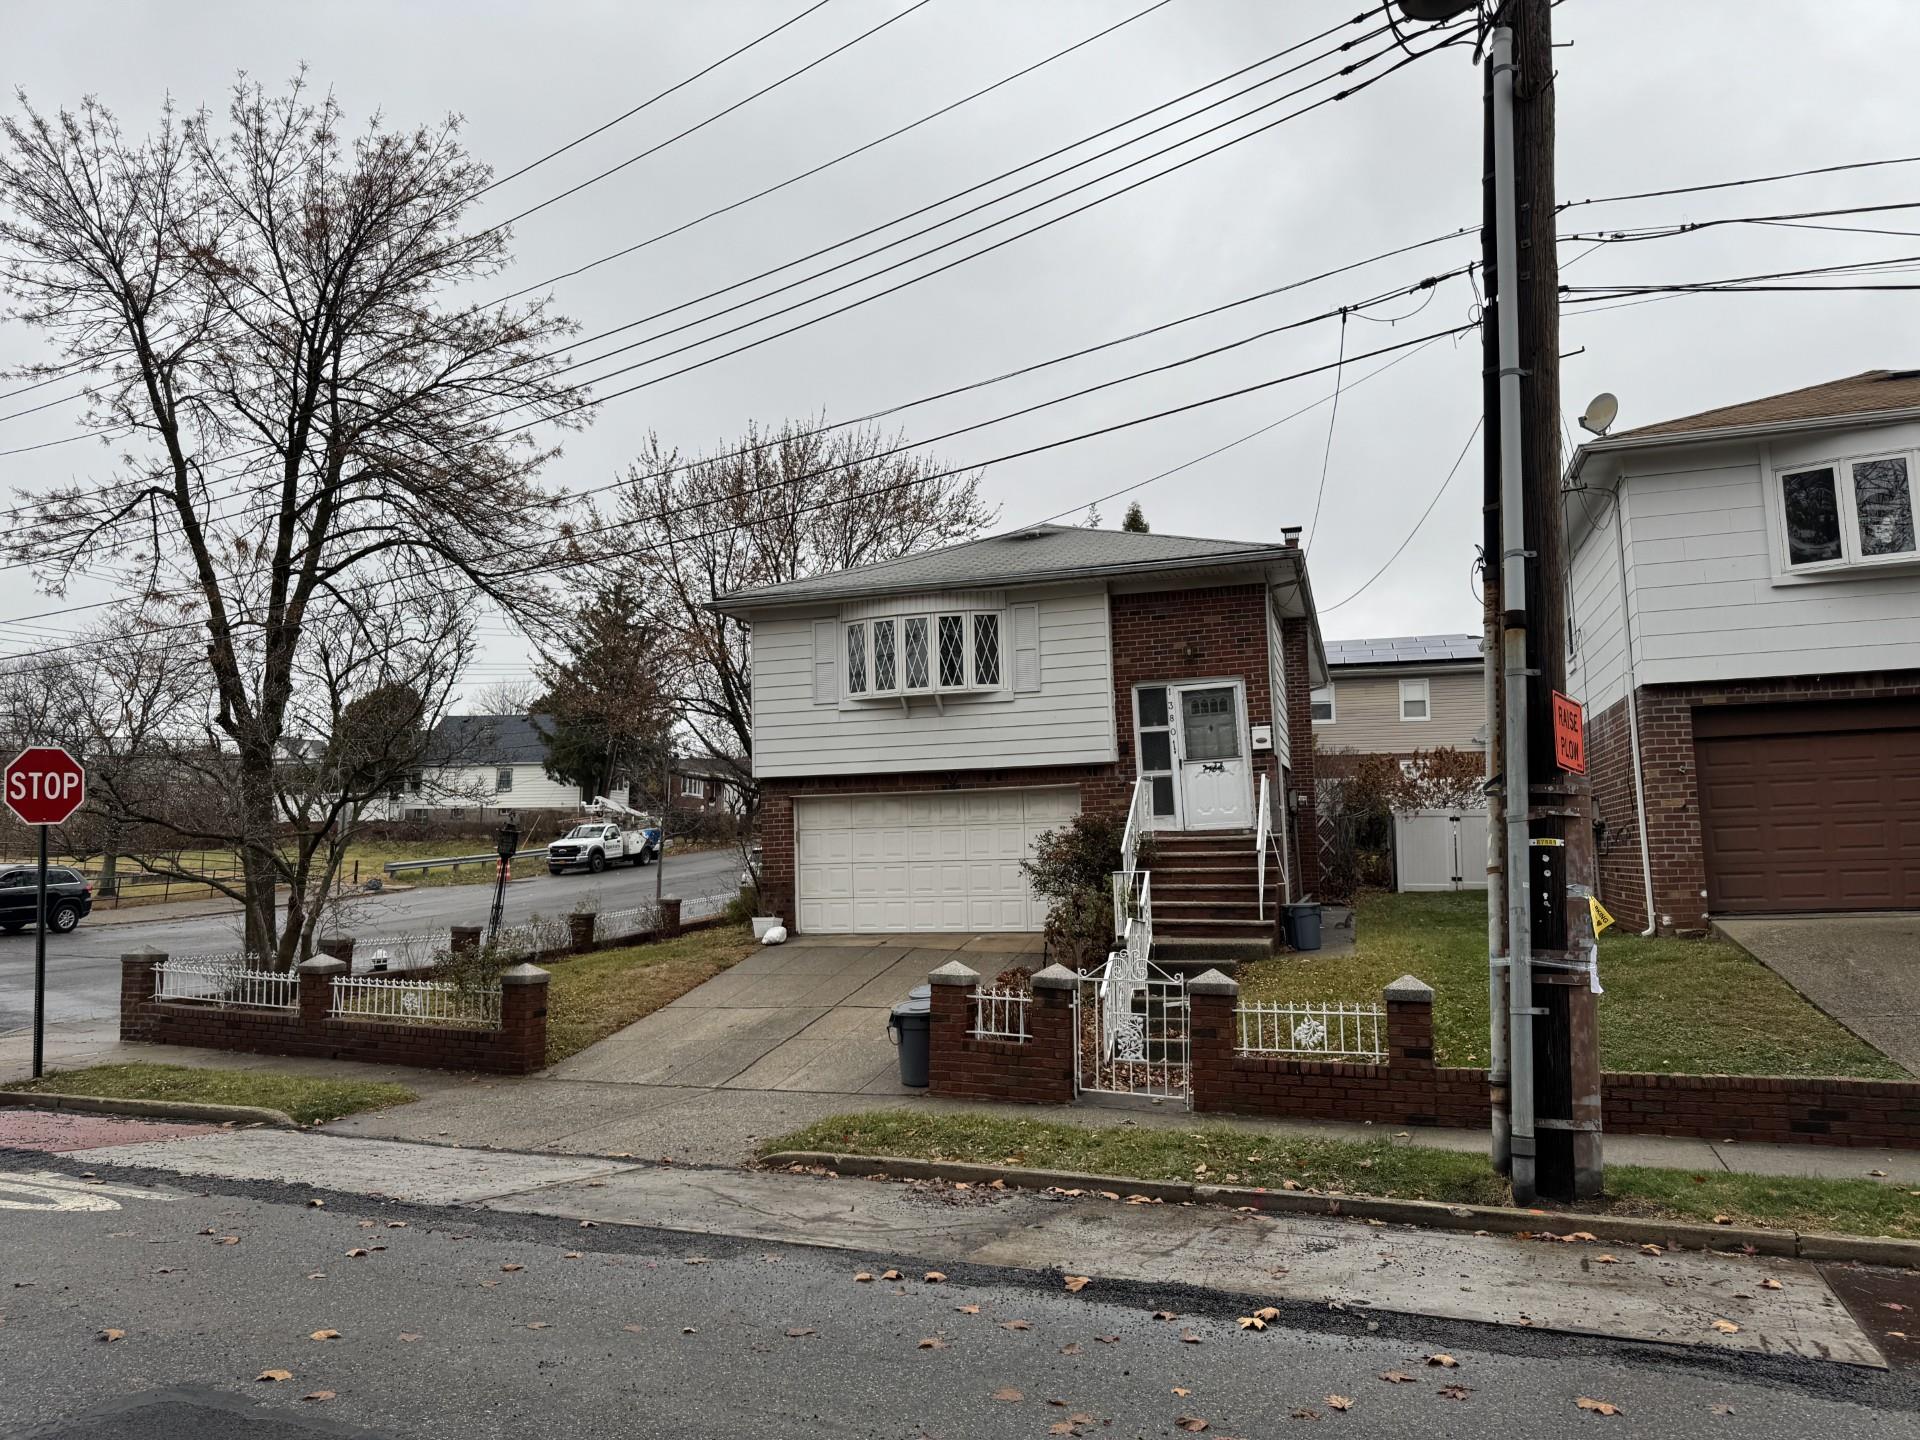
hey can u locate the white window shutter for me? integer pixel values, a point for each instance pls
(826, 662)
(1026, 648)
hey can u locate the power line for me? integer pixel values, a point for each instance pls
(1566, 205)
(1333, 417)
(1453, 470)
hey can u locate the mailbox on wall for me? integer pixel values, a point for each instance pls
(1263, 737)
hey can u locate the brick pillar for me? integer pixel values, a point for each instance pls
(1212, 1031)
(339, 947)
(466, 939)
(1409, 1029)
(669, 916)
(1050, 1034)
(136, 993)
(580, 930)
(316, 991)
(523, 1020)
(953, 989)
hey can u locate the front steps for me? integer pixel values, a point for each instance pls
(1206, 899)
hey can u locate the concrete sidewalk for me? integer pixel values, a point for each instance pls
(1705, 1301)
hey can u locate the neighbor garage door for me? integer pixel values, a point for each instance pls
(938, 862)
(1810, 807)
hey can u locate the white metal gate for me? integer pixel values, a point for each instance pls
(1131, 1021)
(1440, 850)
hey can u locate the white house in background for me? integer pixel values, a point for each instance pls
(1745, 633)
(479, 766)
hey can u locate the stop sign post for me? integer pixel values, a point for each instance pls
(44, 786)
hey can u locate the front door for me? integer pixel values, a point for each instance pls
(1192, 750)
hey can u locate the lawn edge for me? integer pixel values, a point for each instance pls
(148, 1109)
(1432, 1214)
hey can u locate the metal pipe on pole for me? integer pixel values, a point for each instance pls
(1513, 602)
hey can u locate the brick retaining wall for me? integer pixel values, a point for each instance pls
(1409, 1089)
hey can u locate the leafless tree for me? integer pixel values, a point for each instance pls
(503, 697)
(783, 505)
(314, 443)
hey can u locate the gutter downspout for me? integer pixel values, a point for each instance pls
(1633, 705)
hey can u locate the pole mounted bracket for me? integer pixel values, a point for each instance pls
(1520, 370)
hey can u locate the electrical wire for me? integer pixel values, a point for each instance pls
(1333, 417)
(1566, 205)
(1424, 514)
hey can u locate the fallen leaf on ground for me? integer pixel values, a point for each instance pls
(1652, 1250)
(1007, 1394)
(1723, 1219)
(589, 1224)
(1268, 1312)
(356, 1253)
(1605, 1260)
(1108, 1339)
(1445, 1362)
(1181, 1390)
(1071, 1348)
(689, 1330)
(890, 1275)
(1339, 1402)
(798, 1332)
(634, 1329)
(1726, 1327)
(1062, 1427)
(396, 1224)
(409, 1336)
(228, 1240)
(315, 1204)
(1077, 1283)
(1771, 1284)
(1252, 1322)
(1189, 1338)
(324, 1335)
(1455, 1392)
(315, 1275)
(1584, 1235)
(1396, 1377)
(968, 1309)
(934, 1277)
(1878, 1174)
(1721, 1409)
(1598, 1407)
(109, 1336)
(538, 1325)
(511, 1267)
(1016, 1324)
(695, 1260)
(932, 1342)
(1166, 1314)
(276, 1376)
(1193, 1424)
(863, 1278)
(1306, 1414)
(318, 1395)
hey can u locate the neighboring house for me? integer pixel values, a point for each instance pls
(1745, 633)
(479, 766)
(704, 785)
(1400, 695)
(918, 723)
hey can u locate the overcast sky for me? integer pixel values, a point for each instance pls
(1651, 93)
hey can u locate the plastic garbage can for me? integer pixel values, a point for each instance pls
(1303, 926)
(910, 1026)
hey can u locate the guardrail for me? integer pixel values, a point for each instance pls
(396, 867)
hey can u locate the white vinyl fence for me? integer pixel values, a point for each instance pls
(1440, 849)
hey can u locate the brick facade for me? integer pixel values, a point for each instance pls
(1672, 790)
(518, 1047)
(1218, 632)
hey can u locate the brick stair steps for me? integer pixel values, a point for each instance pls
(1181, 887)
(1189, 909)
(1204, 926)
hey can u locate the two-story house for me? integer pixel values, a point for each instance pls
(477, 767)
(1745, 633)
(918, 723)
(1401, 695)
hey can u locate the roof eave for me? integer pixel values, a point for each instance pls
(1607, 445)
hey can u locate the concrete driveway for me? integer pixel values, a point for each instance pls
(1864, 970)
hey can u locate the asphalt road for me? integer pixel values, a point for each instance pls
(83, 968)
(462, 1323)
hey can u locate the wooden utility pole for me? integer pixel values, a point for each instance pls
(1566, 1068)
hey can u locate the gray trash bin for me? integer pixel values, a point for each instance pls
(1303, 926)
(911, 1028)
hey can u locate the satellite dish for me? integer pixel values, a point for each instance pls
(1601, 411)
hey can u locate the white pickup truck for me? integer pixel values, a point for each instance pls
(596, 844)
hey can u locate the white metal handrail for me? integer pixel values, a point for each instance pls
(1312, 1030)
(1264, 814)
(1139, 811)
(414, 1002)
(219, 981)
(1000, 1014)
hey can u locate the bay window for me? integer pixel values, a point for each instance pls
(902, 655)
(1845, 513)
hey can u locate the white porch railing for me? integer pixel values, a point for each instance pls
(220, 981)
(1125, 973)
(1264, 836)
(1139, 811)
(1313, 1030)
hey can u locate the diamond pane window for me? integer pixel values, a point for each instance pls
(916, 652)
(986, 649)
(953, 650)
(883, 655)
(1884, 506)
(856, 659)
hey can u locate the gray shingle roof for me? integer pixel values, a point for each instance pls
(1034, 555)
(487, 740)
(1862, 394)
(1403, 650)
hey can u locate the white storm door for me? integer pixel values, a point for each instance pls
(1216, 789)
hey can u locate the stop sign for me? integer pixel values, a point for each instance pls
(45, 785)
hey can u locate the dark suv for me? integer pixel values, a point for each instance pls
(69, 896)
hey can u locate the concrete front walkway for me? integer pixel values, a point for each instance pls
(1864, 970)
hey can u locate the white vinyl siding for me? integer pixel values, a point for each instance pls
(1707, 584)
(474, 788)
(1367, 714)
(1277, 682)
(1597, 664)
(1066, 719)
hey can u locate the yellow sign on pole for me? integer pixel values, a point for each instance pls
(1601, 919)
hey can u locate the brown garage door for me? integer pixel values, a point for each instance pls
(1810, 807)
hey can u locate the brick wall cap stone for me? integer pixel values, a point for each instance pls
(524, 974)
(1409, 990)
(1055, 977)
(145, 955)
(953, 973)
(323, 965)
(1212, 982)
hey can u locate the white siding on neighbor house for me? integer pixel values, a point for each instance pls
(1707, 599)
(1067, 720)
(1277, 678)
(1366, 713)
(1597, 664)
(472, 787)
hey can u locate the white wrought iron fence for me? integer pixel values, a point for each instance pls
(224, 980)
(542, 935)
(401, 952)
(634, 920)
(415, 1002)
(1131, 1025)
(1000, 1014)
(1313, 1031)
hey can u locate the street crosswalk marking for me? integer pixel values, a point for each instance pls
(49, 1190)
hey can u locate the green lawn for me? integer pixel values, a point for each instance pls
(309, 1099)
(1676, 1006)
(1232, 1155)
(593, 995)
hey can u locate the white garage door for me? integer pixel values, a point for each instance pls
(937, 862)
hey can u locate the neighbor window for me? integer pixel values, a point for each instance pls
(503, 780)
(924, 654)
(1849, 512)
(1413, 699)
(693, 785)
(1321, 704)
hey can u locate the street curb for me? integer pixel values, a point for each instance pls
(148, 1109)
(1498, 1219)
